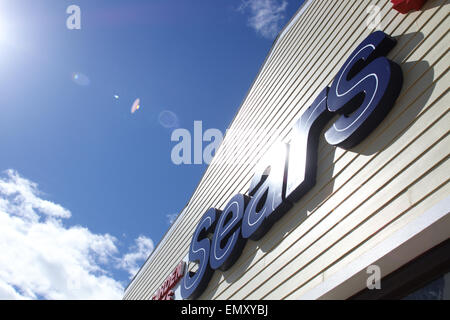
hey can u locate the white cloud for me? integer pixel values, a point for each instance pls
(22, 199)
(266, 16)
(139, 251)
(40, 257)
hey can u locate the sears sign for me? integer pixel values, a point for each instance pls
(362, 93)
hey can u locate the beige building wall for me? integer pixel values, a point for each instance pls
(364, 199)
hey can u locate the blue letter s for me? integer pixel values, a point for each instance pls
(194, 283)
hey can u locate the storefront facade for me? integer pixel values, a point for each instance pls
(379, 198)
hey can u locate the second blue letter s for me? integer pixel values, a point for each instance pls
(363, 91)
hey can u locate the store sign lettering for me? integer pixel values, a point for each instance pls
(165, 292)
(362, 93)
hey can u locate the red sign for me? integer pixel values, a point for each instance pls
(405, 6)
(165, 292)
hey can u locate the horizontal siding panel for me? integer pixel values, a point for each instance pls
(403, 206)
(342, 221)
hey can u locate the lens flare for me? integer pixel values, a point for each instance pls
(135, 106)
(168, 119)
(80, 79)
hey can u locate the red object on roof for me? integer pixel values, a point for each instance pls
(405, 6)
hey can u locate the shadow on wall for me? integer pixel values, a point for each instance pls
(409, 105)
(418, 85)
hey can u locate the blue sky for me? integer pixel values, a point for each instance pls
(77, 167)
